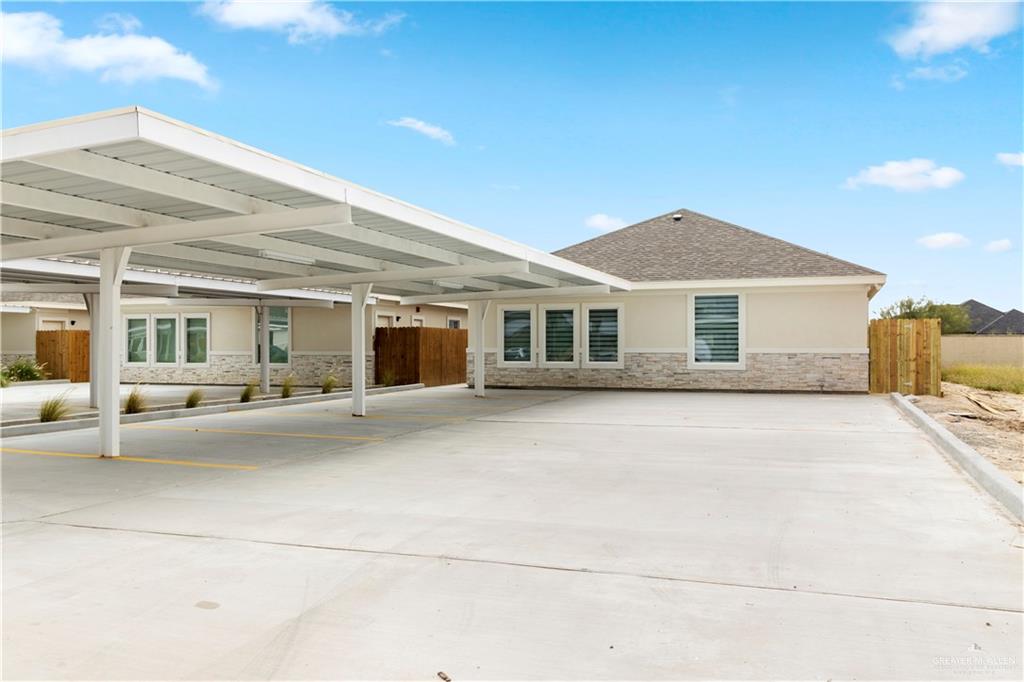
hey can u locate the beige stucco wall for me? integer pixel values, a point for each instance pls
(983, 349)
(433, 315)
(806, 319)
(18, 333)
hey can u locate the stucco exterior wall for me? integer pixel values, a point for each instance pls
(18, 334)
(433, 315)
(793, 338)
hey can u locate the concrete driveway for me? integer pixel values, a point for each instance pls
(530, 535)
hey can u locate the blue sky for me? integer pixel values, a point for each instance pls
(868, 131)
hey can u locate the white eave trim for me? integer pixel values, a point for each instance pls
(852, 280)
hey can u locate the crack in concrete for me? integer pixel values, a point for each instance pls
(543, 567)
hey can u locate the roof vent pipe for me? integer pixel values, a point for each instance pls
(677, 217)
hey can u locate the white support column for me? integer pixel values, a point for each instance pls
(92, 304)
(264, 349)
(112, 267)
(477, 313)
(360, 292)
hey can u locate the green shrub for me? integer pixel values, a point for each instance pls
(288, 386)
(24, 369)
(388, 377)
(249, 391)
(5, 381)
(136, 401)
(987, 377)
(330, 383)
(194, 397)
(55, 408)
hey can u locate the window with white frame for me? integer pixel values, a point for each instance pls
(136, 339)
(602, 335)
(417, 321)
(165, 336)
(516, 335)
(454, 323)
(559, 335)
(716, 336)
(197, 338)
(279, 320)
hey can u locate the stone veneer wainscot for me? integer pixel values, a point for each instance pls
(831, 372)
(308, 369)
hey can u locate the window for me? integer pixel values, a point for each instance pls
(280, 335)
(454, 323)
(197, 339)
(559, 337)
(165, 331)
(515, 335)
(602, 335)
(417, 321)
(136, 341)
(385, 321)
(716, 335)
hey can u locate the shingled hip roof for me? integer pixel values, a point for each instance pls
(698, 247)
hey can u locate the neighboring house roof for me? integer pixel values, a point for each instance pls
(981, 315)
(1011, 322)
(698, 247)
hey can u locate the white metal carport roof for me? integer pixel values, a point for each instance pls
(199, 203)
(157, 201)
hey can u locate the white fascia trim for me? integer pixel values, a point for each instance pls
(77, 132)
(798, 351)
(84, 271)
(866, 280)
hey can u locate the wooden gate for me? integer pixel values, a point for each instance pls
(65, 352)
(905, 356)
(414, 355)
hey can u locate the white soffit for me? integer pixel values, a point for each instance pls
(131, 169)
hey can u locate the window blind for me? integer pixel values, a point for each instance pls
(558, 335)
(516, 325)
(603, 335)
(716, 328)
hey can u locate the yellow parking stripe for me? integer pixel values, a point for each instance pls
(325, 436)
(144, 460)
(396, 417)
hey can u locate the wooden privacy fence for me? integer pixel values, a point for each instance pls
(905, 356)
(65, 352)
(427, 355)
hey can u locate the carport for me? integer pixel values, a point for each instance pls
(95, 202)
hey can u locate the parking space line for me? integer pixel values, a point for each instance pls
(143, 460)
(241, 432)
(396, 417)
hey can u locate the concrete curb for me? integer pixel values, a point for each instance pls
(1006, 491)
(90, 422)
(41, 382)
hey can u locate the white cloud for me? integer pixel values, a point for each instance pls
(941, 27)
(430, 130)
(1010, 158)
(944, 240)
(947, 74)
(912, 175)
(604, 222)
(998, 246)
(303, 21)
(36, 40)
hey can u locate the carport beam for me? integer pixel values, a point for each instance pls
(113, 262)
(360, 292)
(477, 313)
(264, 350)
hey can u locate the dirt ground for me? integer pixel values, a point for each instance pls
(992, 422)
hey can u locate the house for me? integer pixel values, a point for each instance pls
(712, 306)
(176, 342)
(987, 320)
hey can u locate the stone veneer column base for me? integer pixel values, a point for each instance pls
(832, 372)
(308, 370)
